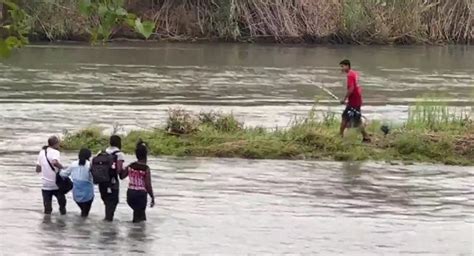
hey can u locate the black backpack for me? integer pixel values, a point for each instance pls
(102, 167)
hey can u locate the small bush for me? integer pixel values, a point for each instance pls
(434, 148)
(208, 118)
(181, 122)
(409, 144)
(221, 122)
(91, 138)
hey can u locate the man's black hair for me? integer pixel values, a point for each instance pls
(53, 140)
(345, 62)
(116, 141)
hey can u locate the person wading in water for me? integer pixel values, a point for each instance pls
(139, 184)
(109, 191)
(48, 161)
(352, 115)
(83, 189)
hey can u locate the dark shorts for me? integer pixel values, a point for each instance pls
(352, 115)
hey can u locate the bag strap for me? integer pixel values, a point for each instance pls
(114, 154)
(46, 156)
(105, 152)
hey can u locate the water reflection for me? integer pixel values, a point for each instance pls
(366, 183)
(352, 171)
(108, 233)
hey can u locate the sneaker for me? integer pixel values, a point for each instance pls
(366, 140)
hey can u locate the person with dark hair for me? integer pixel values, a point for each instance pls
(83, 189)
(109, 191)
(139, 185)
(47, 163)
(352, 115)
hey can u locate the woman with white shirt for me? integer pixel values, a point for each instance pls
(83, 189)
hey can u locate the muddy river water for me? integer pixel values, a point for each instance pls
(234, 206)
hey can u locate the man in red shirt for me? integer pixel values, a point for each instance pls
(352, 116)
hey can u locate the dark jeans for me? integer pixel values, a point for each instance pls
(110, 200)
(137, 200)
(48, 201)
(85, 207)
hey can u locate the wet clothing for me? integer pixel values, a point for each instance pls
(137, 193)
(48, 201)
(355, 99)
(136, 176)
(110, 197)
(85, 207)
(83, 189)
(109, 192)
(48, 175)
(114, 183)
(137, 200)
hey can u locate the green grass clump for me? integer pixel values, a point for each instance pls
(414, 146)
(91, 138)
(432, 134)
(221, 122)
(434, 116)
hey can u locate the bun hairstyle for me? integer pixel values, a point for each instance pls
(141, 150)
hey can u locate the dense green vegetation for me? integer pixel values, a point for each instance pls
(432, 134)
(336, 21)
(102, 19)
(14, 28)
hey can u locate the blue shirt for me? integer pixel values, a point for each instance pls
(83, 189)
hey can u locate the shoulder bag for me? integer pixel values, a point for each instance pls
(64, 183)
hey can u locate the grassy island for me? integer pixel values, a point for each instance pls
(431, 134)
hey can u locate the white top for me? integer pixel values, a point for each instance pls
(78, 172)
(48, 175)
(120, 155)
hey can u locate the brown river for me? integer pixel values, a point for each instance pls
(234, 206)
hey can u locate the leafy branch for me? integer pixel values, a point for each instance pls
(106, 16)
(14, 28)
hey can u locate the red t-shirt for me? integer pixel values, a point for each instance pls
(355, 99)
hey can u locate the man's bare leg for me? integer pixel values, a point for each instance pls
(365, 135)
(343, 127)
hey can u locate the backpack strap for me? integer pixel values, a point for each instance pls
(115, 157)
(102, 151)
(114, 154)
